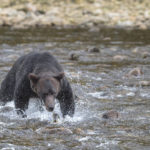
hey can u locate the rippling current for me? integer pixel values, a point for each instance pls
(101, 82)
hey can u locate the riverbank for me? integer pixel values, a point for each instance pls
(82, 13)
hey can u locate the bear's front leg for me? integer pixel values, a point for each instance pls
(67, 107)
(66, 100)
(21, 99)
(21, 105)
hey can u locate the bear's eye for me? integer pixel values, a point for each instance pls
(44, 95)
(52, 92)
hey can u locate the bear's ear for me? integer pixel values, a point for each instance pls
(59, 76)
(33, 78)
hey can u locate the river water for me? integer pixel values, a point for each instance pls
(98, 79)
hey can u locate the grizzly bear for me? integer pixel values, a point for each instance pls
(37, 75)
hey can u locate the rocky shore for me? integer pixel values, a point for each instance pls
(83, 13)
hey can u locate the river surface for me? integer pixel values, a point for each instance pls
(98, 79)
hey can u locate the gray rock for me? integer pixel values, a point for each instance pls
(74, 56)
(110, 115)
(94, 50)
(135, 72)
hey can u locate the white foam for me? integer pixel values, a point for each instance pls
(119, 96)
(128, 88)
(105, 143)
(34, 112)
(130, 94)
(91, 132)
(97, 79)
(144, 94)
(101, 95)
(11, 147)
(8, 148)
(84, 139)
(2, 123)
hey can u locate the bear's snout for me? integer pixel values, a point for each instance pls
(50, 108)
(50, 103)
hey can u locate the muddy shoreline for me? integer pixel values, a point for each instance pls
(92, 14)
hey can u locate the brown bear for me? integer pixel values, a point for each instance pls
(37, 75)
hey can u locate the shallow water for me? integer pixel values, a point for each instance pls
(98, 80)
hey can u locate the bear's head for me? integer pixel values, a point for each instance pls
(46, 87)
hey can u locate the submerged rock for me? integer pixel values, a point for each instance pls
(94, 50)
(144, 83)
(145, 55)
(119, 57)
(110, 115)
(74, 56)
(135, 72)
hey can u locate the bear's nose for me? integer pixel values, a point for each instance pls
(50, 108)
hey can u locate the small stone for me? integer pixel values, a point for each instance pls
(135, 72)
(74, 56)
(110, 115)
(94, 50)
(119, 57)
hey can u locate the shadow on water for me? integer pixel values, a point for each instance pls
(100, 81)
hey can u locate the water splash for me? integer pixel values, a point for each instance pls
(33, 112)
